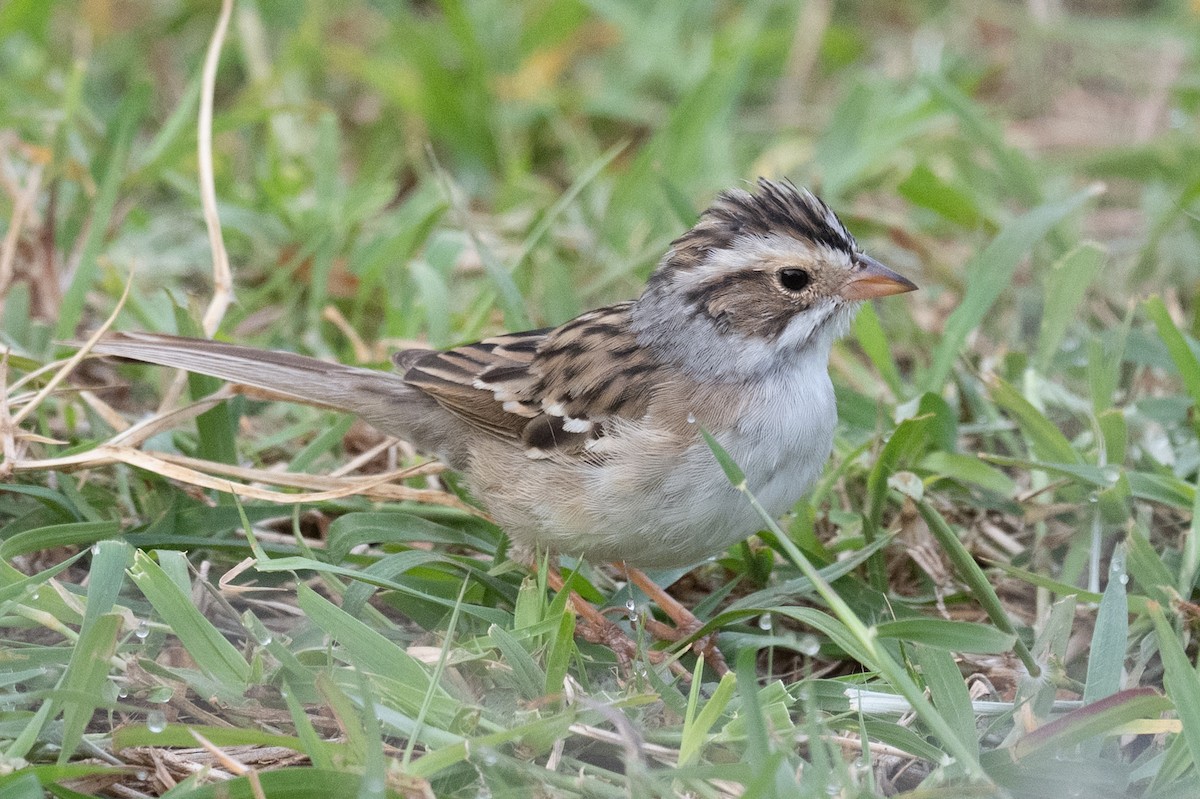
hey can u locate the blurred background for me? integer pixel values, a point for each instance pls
(444, 169)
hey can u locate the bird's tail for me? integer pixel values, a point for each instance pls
(381, 398)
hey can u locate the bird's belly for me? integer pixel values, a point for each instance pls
(676, 514)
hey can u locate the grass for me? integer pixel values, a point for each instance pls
(988, 593)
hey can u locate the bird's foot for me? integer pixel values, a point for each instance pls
(686, 623)
(597, 628)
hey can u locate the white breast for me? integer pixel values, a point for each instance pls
(785, 438)
(676, 509)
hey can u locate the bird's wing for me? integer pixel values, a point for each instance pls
(555, 390)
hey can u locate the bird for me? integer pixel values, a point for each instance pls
(585, 439)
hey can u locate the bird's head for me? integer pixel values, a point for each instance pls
(775, 270)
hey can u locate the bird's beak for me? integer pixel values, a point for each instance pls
(873, 279)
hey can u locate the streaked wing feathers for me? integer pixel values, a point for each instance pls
(555, 390)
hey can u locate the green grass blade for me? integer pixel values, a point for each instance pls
(72, 534)
(560, 652)
(990, 273)
(371, 652)
(1065, 286)
(106, 576)
(698, 725)
(871, 337)
(401, 561)
(969, 571)
(125, 124)
(85, 677)
(865, 639)
(906, 444)
(529, 677)
(1045, 439)
(1099, 718)
(1189, 568)
(214, 655)
(1106, 359)
(1106, 655)
(1184, 358)
(948, 692)
(953, 636)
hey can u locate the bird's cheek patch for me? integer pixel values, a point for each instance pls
(753, 310)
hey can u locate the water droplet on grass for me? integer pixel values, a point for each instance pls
(156, 721)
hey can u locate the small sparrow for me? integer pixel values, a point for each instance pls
(584, 439)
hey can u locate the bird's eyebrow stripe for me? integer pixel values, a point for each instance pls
(725, 281)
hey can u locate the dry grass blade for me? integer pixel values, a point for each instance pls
(8, 430)
(122, 448)
(231, 764)
(134, 435)
(377, 487)
(222, 275)
(105, 411)
(368, 455)
(362, 353)
(664, 754)
(10, 422)
(31, 377)
(21, 206)
(69, 364)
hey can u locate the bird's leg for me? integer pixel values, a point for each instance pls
(686, 622)
(599, 629)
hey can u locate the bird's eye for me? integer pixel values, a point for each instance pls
(794, 279)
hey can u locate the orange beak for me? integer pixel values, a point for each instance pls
(873, 279)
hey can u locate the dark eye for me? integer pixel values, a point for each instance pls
(794, 279)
